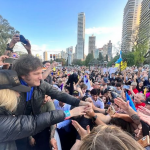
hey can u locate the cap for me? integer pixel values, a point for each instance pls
(105, 80)
(147, 101)
(75, 93)
(9, 80)
(134, 83)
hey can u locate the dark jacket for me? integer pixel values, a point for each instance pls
(39, 95)
(17, 127)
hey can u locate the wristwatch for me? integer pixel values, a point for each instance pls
(94, 118)
(9, 49)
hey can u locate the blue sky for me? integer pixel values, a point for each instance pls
(52, 24)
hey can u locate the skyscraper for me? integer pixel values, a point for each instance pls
(80, 36)
(45, 56)
(131, 20)
(144, 29)
(109, 51)
(92, 40)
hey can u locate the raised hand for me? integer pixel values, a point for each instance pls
(82, 132)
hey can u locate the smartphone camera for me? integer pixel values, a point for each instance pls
(23, 40)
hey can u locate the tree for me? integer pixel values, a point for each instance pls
(107, 58)
(77, 62)
(89, 57)
(100, 57)
(140, 41)
(64, 63)
(6, 33)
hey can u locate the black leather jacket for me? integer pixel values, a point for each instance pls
(18, 127)
(39, 95)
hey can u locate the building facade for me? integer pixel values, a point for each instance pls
(45, 56)
(131, 20)
(80, 36)
(144, 29)
(92, 40)
(109, 51)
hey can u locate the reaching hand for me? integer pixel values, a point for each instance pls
(82, 132)
(77, 111)
(2, 58)
(144, 110)
(122, 104)
(53, 143)
(15, 39)
(27, 47)
(87, 104)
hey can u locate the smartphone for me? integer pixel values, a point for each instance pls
(9, 60)
(23, 40)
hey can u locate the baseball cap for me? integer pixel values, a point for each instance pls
(105, 80)
(75, 93)
(147, 101)
(134, 83)
(10, 80)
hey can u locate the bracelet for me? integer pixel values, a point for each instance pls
(8, 48)
(67, 114)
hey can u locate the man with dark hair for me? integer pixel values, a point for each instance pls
(96, 100)
(29, 70)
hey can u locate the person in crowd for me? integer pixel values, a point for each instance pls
(13, 127)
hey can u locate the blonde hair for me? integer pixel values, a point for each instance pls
(8, 99)
(106, 137)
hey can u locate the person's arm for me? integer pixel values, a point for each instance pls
(131, 90)
(18, 127)
(126, 107)
(62, 96)
(46, 73)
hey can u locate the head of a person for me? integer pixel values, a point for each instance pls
(61, 104)
(46, 64)
(139, 98)
(141, 84)
(75, 94)
(67, 89)
(94, 94)
(113, 65)
(59, 81)
(134, 85)
(118, 86)
(104, 99)
(10, 87)
(106, 137)
(113, 83)
(112, 75)
(83, 88)
(104, 81)
(29, 69)
(96, 85)
(147, 103)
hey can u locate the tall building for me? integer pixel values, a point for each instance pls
(105, 50)
(45, 56)
(144, 29)
(69, 52)
(63, 55)
(80, 36)
(131, 20)
(92, 40)
(109, 52)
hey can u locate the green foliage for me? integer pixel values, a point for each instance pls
(6, 33)
(89, 57)
(100, 57)
(64, 63)
(77, 62)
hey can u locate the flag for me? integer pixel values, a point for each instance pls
(117, 65)
(123, 65)
(120, 58)
(128, 98)
(87, 83)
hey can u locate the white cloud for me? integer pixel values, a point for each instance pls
(101, 30)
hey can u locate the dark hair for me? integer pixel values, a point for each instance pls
(118, 84)
(94, 92)
(44, 62)
(25, 64)
(113, 83)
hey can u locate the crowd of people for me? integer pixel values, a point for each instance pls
(44, 107)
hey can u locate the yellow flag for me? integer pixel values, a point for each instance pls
(123, 65)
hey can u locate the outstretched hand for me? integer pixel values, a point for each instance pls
(82, 132)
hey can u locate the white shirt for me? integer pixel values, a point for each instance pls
(105, 70)
(65, 107)
(98, 103)
(112, 70)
